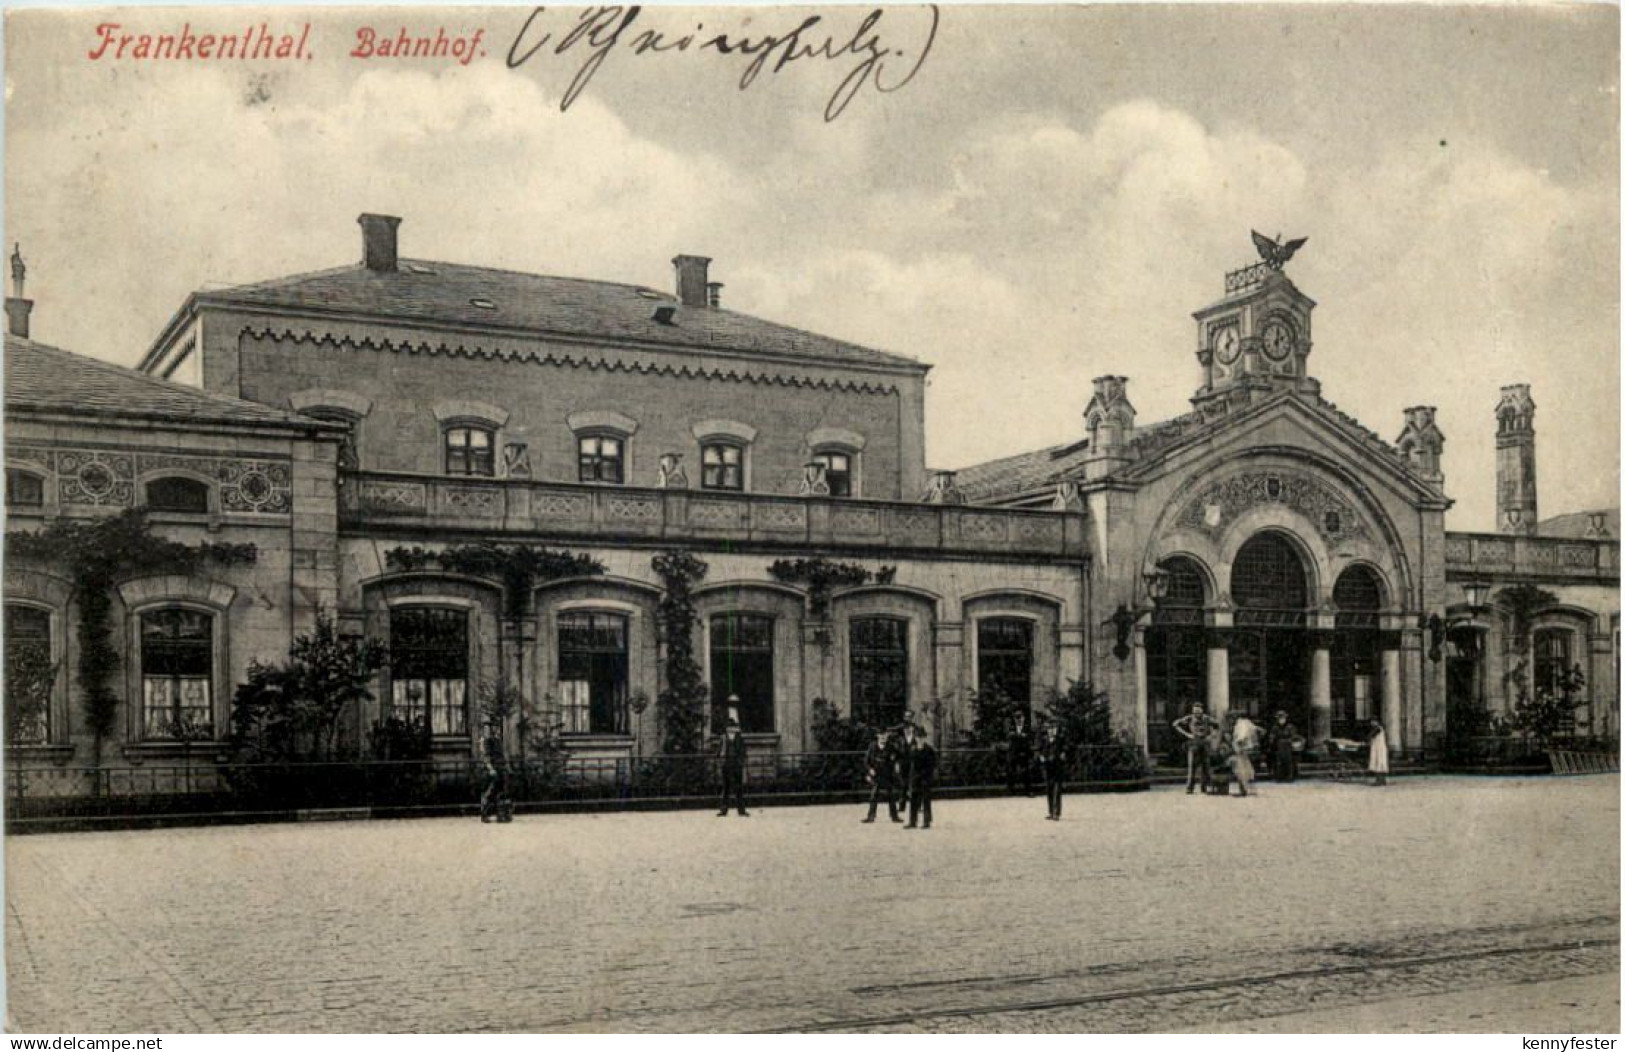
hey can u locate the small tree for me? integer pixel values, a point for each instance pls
(994, 714)
(833, 732)
(1085, 717)
(291, 711)
(1544, 714)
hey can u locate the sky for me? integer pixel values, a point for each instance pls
(1046, 200)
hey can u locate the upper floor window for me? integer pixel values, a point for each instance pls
(722, 466)
(177, 674)
(24, 489)
(428, 666)
(469, 451)
(30, 674)
(602, 458)
(837, 472)
(178, 494)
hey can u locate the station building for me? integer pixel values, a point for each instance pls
(1262, 552)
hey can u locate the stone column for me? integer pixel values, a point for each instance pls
(1391, 690)
(1411, 658)
(1320, 691)
(1218, 675)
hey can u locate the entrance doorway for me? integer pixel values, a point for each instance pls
(1269, 651)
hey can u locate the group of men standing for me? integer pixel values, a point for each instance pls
(1232, 743)
(901, 769)
(1050, 756)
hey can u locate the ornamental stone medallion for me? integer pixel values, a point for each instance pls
(96, 477)
(1218, 505)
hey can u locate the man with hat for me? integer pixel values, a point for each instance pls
(881, 769)
(732, 751)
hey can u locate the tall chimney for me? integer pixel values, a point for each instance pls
(1515, 507)
(692, 279)
(378, 241)
(17, 308)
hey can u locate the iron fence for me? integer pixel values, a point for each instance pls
(156, 790)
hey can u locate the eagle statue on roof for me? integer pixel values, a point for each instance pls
(1274, 253)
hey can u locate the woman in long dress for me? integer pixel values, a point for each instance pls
(1377, 764)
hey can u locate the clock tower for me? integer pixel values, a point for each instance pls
(1256, 340)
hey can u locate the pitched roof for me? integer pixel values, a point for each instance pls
(1575, 524)
(459, 295)
(1024, 473)
(1011, 476)
(45, 378)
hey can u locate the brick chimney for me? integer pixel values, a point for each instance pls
(692, 280)
(1516, 510)
(17, 308)
(378, 241)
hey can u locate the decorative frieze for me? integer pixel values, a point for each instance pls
(96, 477)
(1216, 507)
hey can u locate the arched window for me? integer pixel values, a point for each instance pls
(178, 494)
(879, 670)
(428, 668)
(722, 466)
(469, 451)
(742, 666)
(24, 489)
(1267, 582)
(177, 674)
(1004, 658)
(593, 672)
(30, 674)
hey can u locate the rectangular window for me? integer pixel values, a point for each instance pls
(879, 671)
(721, 467)
(24, 489)
(742, 667)
(469, 451)
(428, 664)
(1004, 658)
(30, 675)
(602, 459)
(178, 494)
(177, 672)
(837, 472)
(593, 672)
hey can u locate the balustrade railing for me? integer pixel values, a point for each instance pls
(1497, 554)
(376, 500)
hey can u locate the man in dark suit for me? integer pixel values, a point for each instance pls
(732, 751)
(1053, 756)
(1019, 756)
(879, 768)
(922, 776)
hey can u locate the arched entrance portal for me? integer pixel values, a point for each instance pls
(1269, 649)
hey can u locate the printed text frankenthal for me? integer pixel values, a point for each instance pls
(254, 42)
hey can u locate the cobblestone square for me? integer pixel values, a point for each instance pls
(1140, 912)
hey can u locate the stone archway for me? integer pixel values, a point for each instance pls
(1270, 649)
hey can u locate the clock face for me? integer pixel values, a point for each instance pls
(1278, 340)
(1227, 344)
